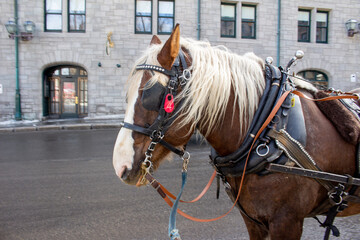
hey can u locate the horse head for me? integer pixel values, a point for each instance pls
(149, 90)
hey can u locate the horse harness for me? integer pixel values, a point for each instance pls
(279, 145)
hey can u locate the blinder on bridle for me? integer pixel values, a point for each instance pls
(161, 99)
(152, 98)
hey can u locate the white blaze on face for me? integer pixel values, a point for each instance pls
(123, 155)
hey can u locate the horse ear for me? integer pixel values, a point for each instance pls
(170, 49)
(155, 40)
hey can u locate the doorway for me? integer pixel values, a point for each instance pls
(65, 92)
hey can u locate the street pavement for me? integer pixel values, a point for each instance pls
(61, 185)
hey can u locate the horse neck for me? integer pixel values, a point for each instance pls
(230, 134)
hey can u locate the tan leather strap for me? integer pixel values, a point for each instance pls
(348, 95)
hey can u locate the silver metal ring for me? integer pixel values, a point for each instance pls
(260, 147)
(147, 164)
(186, 156)
(275, 119)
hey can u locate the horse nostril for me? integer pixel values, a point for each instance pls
(123, 173)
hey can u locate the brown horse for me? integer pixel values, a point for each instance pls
(219, 100)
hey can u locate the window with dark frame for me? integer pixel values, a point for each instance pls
(83, 89)
(143, 16)
(319, 79)
(248, 21)
(76, 15)
(53, 16)
(228, 20)
(304, 19)
(166, 12)
(322, 25)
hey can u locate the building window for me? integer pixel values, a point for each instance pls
(165, 16)
(319, 79)
(83, 89)
(304, 25)
(76, 15)
(143, 16)
(53, 15)
(248, 21)
(228, 20)
(322, 19)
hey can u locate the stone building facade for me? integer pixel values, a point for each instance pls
(60, 66)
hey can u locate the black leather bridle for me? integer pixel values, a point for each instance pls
(157, 130)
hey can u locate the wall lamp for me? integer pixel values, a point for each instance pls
(352, 27)
(14, 30)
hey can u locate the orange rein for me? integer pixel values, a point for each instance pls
(206, 188)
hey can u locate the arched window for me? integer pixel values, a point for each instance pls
(319, 79)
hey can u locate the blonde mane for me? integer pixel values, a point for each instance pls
(216, 72)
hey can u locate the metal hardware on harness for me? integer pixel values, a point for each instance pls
(156, 136)
(336, 195)
(185, 77)
(262, 146)
(146, 166)
(298, 55)
(172, 84)
(185, 158)
(152, 146)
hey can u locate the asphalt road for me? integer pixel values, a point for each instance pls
(61, 185)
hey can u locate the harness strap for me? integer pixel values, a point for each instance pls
(296, 151)
(145, 66)
(339, 204)
(348, 96)
(149, 132)
(173, 232)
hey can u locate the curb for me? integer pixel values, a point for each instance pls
(83, 126)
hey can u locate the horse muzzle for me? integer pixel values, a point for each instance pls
(128, 176)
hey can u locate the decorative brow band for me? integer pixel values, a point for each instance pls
(156, 68)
